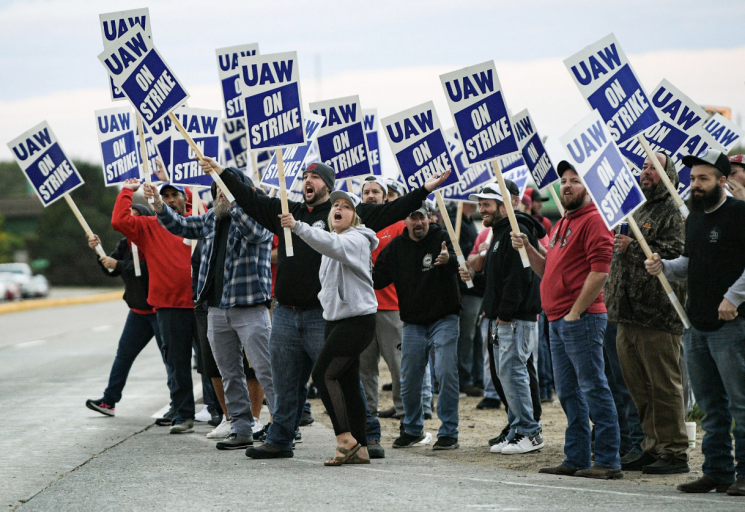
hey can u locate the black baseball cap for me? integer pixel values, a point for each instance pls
(535, 195)
(564, 166)
(710, 157)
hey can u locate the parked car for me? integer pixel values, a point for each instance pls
(9, 288)
(31, 285)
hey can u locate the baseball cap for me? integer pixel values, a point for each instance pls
(492, 191)
(709, 157)
(737, 159)
(535, 195)
(423, 209)
(396, 186)
(336, 194)
(178, 188)
(527, 201)
(564, 166)
(375, 179)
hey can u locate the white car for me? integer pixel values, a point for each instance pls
(31, 285)
(9, 288)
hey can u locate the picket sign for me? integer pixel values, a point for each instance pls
(610, 183)
(458, 219)
(453, 237)
(664, 177)
(136, 260)
(143, 151)
(283, 201)
(200, 156)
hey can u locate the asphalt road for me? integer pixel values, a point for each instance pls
(57, 455)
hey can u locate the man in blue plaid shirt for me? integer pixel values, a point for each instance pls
(235, 282)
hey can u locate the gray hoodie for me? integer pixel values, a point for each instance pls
(346, 270)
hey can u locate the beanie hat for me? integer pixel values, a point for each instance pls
(327, 174)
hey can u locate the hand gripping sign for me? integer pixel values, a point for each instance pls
(370, 120)
(203, 127)
(418, 144)
(115, 26)
(610, 182)
(342, 142)
(606, 80)
(294, 158)
(116, 137)
(479, 111)
(534, 154)
(51, 174)
(270, 88)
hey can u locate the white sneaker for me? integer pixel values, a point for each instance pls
(203, 415)
(221, 431)
(427, 438)
(497, 448)
(524, 444)
(257, 425)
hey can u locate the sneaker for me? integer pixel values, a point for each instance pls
(375, 450)
(306, 419)
(203, 416)
(501, 437)
(298, 437)
(489, 403)
(446, 443)
(406, 440)
(221, 431)
(234, 442)
(215, 420)
(499, 443)
(268, 451)
(523, 444)
(167, 419)
(185, 427)
(100, 406)
(261, 434)
(258, 426)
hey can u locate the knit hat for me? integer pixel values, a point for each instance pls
(143, 210)
(327, 173)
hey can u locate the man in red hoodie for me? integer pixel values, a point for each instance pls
(169, 293)
(574, 271)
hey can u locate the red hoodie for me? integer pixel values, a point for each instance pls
(387, 298)
(169, 259)
(580, 244)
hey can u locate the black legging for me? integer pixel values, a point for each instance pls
(337, 373)
(535, 390)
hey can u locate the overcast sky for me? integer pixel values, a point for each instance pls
(389, 52)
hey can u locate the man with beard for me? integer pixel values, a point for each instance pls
(650, 332)
(298, 324)
(736, 178)
(713, 262)
(574, 271)
(512, 302)
(235, 282)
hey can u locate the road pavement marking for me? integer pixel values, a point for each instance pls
(101, 328)
(27, 344)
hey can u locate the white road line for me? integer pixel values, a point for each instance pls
(26, 344)
(101, 328)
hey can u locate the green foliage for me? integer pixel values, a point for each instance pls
(9, 243)
(62, 241)
(12, 181)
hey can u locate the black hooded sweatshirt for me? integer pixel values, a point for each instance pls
(135, 288)
(511, 292)
(426, 293)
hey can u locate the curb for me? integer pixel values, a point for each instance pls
(28, 305)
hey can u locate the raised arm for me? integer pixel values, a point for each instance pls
(122, 220)
(537, 260)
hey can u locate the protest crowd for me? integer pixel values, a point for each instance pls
(626, 307)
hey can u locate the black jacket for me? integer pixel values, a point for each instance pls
(511, 292)
(135, 288)
(426, 293)
(297, 281)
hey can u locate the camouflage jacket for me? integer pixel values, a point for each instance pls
(634, 296)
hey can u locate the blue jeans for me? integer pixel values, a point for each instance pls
(629, 423)
(716, 364)
(545, 370)
(441, 337)
(137, 333)
(294, 345)
(579, 375)
(516, 342)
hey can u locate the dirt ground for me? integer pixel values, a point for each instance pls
(478, 426)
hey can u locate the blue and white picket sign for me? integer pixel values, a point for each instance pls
(602, 168)
(270, 88)
(697, 143)
(418, 144)
(533, 152)
(342, 143)
(479, 111)
(114, 26)
(42, 160)
(370, 120)
(116, 136)
(204, 127)
(161, 133)
(471, 178)
(295, 158)
(229, 72)
(511, 161)
(143, 76)
(152, 151)
(724, 131)
(237, 143)
(681, 118)
(520, 176)
(226, 155)
(608, 83)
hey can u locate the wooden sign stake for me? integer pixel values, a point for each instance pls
(283, 200)
(510, 211)
(663, 176)
(143, 155)
(451, 232)
(99, 250)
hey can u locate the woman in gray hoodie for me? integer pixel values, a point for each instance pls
(349, 307)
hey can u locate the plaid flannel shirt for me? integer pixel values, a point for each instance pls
(247, 274)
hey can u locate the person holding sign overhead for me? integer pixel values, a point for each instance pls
(349, 307)
(713, 263)
(573, 273)
(298, 324)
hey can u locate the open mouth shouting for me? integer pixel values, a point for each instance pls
(337, 216)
